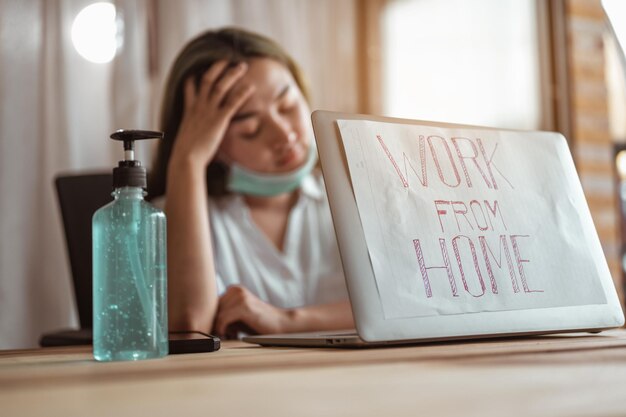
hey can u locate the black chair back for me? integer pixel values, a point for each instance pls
(79, 197)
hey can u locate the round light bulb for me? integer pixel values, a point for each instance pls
(94, 32)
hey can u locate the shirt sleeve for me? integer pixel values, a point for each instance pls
(221, 287)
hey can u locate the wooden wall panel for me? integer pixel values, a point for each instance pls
(592, 143)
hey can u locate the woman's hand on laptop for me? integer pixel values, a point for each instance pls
(240, 309)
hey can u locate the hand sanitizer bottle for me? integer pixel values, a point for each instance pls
(129, 266)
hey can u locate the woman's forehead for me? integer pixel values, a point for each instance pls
(268, 76)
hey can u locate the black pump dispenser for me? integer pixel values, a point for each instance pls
(130, 172)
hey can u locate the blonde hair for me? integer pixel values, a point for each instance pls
(231, 44)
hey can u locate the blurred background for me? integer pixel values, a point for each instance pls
(73, 71)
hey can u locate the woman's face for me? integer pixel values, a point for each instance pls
(271, 131)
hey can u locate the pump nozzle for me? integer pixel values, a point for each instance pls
(130, 136)
(129, 172)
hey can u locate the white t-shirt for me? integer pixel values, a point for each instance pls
(307, 272)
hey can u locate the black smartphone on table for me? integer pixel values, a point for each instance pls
(192, 342)
(179, 342)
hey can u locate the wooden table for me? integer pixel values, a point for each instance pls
(573, 375)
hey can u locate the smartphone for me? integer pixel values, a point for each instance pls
(192, 342)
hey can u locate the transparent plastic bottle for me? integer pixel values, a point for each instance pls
(129, 267)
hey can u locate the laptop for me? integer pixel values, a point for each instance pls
(451, 232)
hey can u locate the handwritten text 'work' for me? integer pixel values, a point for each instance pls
(470, 156)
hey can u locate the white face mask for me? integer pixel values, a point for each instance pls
(245, 181)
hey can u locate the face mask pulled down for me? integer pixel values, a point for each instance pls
(245, 181)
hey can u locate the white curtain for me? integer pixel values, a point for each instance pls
(57, 110)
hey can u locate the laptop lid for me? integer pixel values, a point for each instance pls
(420, 265)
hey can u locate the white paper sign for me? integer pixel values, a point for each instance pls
(470, 220)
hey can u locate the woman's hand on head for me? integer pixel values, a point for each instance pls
(208, 110)
(239, 309)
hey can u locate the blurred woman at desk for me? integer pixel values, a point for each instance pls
(251, 245)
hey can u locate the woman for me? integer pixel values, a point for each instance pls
(259, 254)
